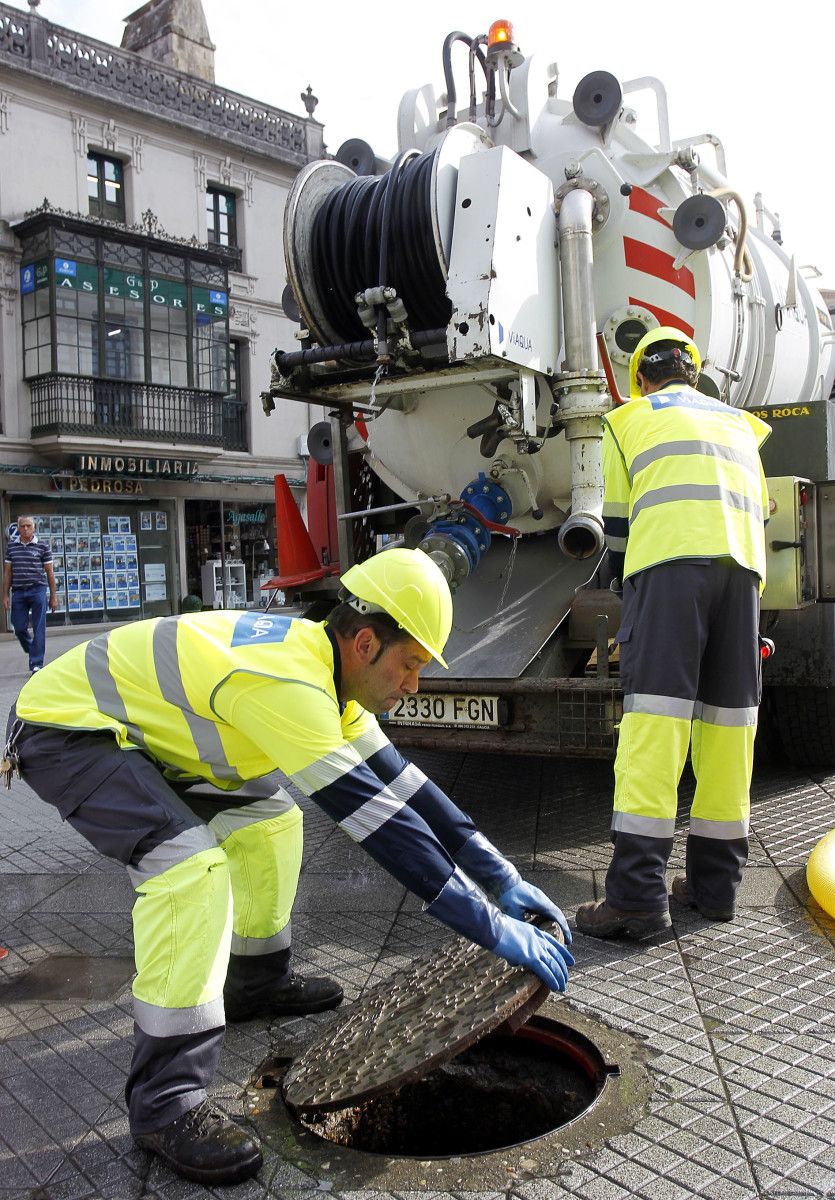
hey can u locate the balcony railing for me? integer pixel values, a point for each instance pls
(111, 408)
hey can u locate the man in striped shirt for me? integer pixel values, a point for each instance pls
(27, 573)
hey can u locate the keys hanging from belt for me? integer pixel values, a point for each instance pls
(10, 763)
(9, 767)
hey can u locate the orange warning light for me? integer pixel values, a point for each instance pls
(500, 33)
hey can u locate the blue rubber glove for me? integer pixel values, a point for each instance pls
(480, 859)
(526, 946)
(463, 907)
(524, 898)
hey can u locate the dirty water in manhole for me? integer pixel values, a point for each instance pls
(504, 1091)
(70, 977)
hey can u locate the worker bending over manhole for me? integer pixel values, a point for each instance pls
(115, 732)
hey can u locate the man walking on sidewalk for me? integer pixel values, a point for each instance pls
(685, 503)
(27, 573)
(115, 731)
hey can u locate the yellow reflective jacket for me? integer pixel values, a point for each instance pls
(223, 696)
(230, 696)
(683, 479)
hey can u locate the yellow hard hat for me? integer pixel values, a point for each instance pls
(663, 333)
(412, 589)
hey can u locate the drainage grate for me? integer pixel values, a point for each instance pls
(413, 1021)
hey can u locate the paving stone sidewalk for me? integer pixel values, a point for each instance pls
(738, 1018)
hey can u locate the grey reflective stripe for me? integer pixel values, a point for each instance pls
(368, 743)
(105, 692)
(654, 827)
(232, 819)
(613, 508)
(721, 831)
(658, 706)
(250, 947)
(177, 1022)
(368, 818)
(616, 543)
(713, 714)
(204, 732)
(327, 770)
(710, 449)
(171, 853)
(695, 491)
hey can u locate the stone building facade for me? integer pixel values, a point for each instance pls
(141, 281)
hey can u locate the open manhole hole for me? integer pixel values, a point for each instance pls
(506, 1090)
(446, 1061)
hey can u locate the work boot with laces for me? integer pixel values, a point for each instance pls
(204, 1145)
(682, 894)
(296, 997)
(601, 920)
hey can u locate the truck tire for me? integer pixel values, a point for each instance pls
(805, 720)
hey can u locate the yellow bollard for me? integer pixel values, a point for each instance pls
(820, 873)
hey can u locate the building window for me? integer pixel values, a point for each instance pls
(221, 225)
(211, 339)
(37, 332)
(169, 332)
(76, 317)
(91, 319)
(234, 404)
(105, 187)
(124, 324)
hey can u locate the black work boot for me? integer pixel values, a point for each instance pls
(263, 985)
(599, 919)
(206, 1146)
(682, 894)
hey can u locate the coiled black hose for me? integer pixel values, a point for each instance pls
(378, 231)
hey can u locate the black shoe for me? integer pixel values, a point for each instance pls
(599, 919)
(297, 997)
(206, 1146)
(681, 893)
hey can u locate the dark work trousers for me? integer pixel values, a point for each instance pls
(121, 803)
(690, 672)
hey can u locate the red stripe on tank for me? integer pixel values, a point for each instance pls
(641, 257)
(647, 204)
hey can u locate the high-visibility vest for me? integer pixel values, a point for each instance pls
(683, 479)
(154, 685)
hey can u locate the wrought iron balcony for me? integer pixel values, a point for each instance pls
(112, 408)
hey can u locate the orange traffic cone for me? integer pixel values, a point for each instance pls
(297, 560)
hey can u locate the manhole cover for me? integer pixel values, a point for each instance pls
(411, 1022)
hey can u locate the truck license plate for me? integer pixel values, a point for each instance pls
(446, 709)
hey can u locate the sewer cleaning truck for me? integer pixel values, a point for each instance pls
(466, 316)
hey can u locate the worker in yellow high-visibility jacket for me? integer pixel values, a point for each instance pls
(685, 504)
(114, 732)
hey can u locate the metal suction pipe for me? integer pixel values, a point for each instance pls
(581, 386)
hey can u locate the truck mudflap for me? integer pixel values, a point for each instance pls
(505, 614)
(576, 717)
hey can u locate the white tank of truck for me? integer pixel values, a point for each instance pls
(471, 312)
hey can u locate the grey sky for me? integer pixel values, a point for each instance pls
(759, 77)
